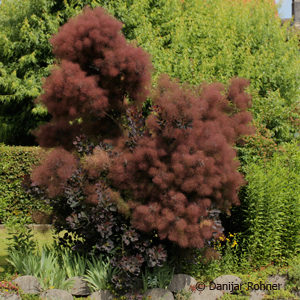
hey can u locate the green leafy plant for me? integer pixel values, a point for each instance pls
(293, 274)
(232, 258)
(271, 207)
(100, 273)
(197, 266)
(224, 256)
(73, 263)
(157, 277)
(25, 57)
(20, 237)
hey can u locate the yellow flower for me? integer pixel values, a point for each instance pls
(234, 244)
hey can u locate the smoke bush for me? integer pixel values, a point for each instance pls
(97, 69)
(138, 180)
(185, 164)
(56, 169)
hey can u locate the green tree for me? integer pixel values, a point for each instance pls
(25, 57)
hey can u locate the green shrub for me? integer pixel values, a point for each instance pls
(15, 163)
(271, 206)
(20, 237)
(294, 274)
(225, 256)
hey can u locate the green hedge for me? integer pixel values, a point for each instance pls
(272, 206)
(15, 162)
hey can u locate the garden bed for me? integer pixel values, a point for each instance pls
(212, 285)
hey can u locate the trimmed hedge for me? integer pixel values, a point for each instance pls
(15, 163)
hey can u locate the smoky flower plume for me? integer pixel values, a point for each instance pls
(96, 69)
(186, 164)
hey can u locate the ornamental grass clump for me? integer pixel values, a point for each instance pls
(128, 182)
(43, 265)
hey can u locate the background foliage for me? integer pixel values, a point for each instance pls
(193, 40)
(25, 57)
(215, 40)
